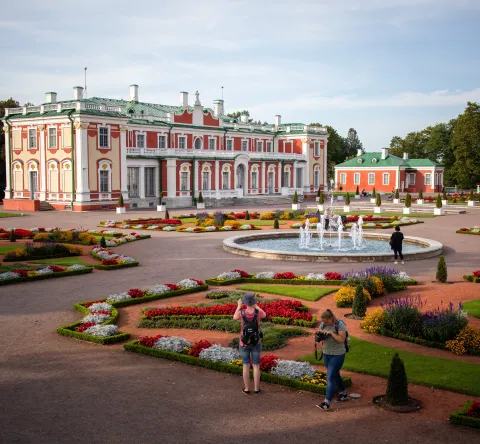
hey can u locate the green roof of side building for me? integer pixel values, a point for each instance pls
(374, 160)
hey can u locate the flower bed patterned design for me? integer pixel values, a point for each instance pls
(468, 415)
(474, 230)
(298, 375)
(112, 261)
(278, 312)
(370, 222)
(51, 271)
(100, 316)
(474, 277)
(45, 251)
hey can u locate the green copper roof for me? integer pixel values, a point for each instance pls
(370, 160)
(415, 163)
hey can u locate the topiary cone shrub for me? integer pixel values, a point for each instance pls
(167, 215)
(200, 197)
(374, 193)
(378, 200)
(247, 215)
(444, 195)
(319, 192)
(408, 200)
(397, 386)
(12, 236)
(103, 242)
(439, 202)
(442, 273)
(397, 194)
(276, 225)
(420, 194)
(162, 193)
(359, 307)
(347, 199)
(470, 196)
(357, 191)
(121, 204)
(295, 198)
(321, 198)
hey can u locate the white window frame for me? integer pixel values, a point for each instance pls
(229, 146)
(182, 140)
(226, 183)
(428, 179)
(371, 178)
(100, 138)
(410, 182)
(259, 146)
(163, 139)
(245, 145)
(143, 138)
(356, 178)
(206, 175)
(182, 175)
(343, 178)
(154, 175)
(316, 148)
(131, 193)
(386, 176)
(17, 185)
(195, 143)
(32, 138)
(52, 137)
(212, 146)
(269, 146)
(109, 185)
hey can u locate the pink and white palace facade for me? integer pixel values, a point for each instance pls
(81, 154)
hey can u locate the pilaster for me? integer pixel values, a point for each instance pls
(123, 162)
(217, 178)
(82, 190)
(8, 162)
(42, 195)
(171, 177)
(264, 179)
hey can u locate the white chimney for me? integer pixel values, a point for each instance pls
(50, 97)
(278, 120)
(384, 153)
(405, 155)
(184, 99)
(77, 93)
(244, 118)
(134, 93)
(218, 108)
(359, 152)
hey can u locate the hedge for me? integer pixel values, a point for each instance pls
(46, 276)
(473, 279)
(214, 281)
(38, 258)
(228, 368)
(116, 267)
(461, 418)
(467, 232)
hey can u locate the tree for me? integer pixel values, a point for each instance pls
(439, 201)
(466, 146)
(236, 115)
(352, 143)
(442, 274)
(247, 215)
(396, 146)
(28, 104)
(408, 200)
(103, 242)
(420, 194)
(295, 198)
(321, 198)
(359, 307)
(9, 103)
(336, 149)
(200, 198)
(357, 191)
(347, 199)
(374, 193)
(397, 386)
(276, 224)
(397, 194)
(378, 201)
(120, 201)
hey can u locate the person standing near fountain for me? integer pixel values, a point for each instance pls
(396, 243)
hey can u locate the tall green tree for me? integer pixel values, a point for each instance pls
(9, 103)
(466, 146)
(236, 115)
(352, 143)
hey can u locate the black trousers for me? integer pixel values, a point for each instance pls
(398, 252)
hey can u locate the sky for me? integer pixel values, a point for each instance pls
(383, 67)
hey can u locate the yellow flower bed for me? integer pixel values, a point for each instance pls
(313, 220)
(41, 237)
(379, 287)
(231, 223)
(344, 296)
(76, 251)
(373, 321)
(285, 216)
(469, 337)
(236, 362)
(209, 222)
(86, 238)
(18, 253)
(267, 216)
(319, 378)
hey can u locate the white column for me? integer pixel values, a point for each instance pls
(325, 180)
(264, 179)
(43, 165)
(397, 182)
(280, 174)
(307, 166)
(197, 178)
(171, 177)
(217, 178)
(123, 162)
(141, 183)
(433, 180)
(82, 191)
(8, 162)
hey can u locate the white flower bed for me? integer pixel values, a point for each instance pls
(297, 225)
(187, 283)
(110, 223)
(370, 224)
(293, 369)
(245, 227)
(219, 354)
(315, 277)
(227, 228)
(159, 289)
(76, 267)
(95, 318)
(229, 275)
(211, 228)
(265, 275)
(102, 330)
(100, 306)
(153, 227)
(110, 243)
(172, 344)
(46, 270)
(402, 276)
(189, 229)
(168, 228)
(8, 275)
(119, 297)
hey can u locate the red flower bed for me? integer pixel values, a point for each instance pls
(197, 281)
(87, 304)
(333, 276)
(198, 347)
(285, 275)
(267, 362)
(371, 218)
(173, 287)
(148, 341)
(82, 327)
(242, 273)
(476, 274)
(136, 293)
(21, 272)
(155, 222)
(20, 233)
(474, 410)
(464, 229)
(101, 312)
(56, 268)
(285, 309)
(110, 262)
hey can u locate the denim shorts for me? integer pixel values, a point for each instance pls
(251, 351)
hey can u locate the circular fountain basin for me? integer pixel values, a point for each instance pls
(285, 246)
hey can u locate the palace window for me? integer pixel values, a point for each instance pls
(229, 144)
(205, 180)
(52, 137)
(133, 181)
(386, 178)
(269, 147)
(343, 178)
(150, 181)
(198, 143)
(316, 149)
(104, 181)
(184, 181)
(212, 143)
(259, 146)
(103, 137)
(254, 181)
(428, 179)
(181, 142)
(32, 138)
(411, 179)
(244, 145)
(162, 141)
(316, 178)
(371, 178)
(225, 180)
(286, 178)
(140, 140)
(356, 179)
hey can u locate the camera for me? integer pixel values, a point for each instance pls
(320, 336)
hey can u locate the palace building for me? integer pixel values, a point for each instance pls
(386, 172)
(81, 154)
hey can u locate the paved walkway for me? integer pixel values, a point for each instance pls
(56, 390)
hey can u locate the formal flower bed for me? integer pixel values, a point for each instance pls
(153, 223)
(100, 315)
(468, 415)
(50, 271)
(20, 233)
(88, 237)
(45, 251)
(369, 222)
(278, 312)
(474, 230)
(112, 261)
(442, 327)
(474, 277)
(212, 228)
(299, 375)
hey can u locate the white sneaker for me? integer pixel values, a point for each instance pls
(403, 263)
(396, 262)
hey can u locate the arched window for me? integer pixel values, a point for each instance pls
(316, 176)
(32, 178)
(104, 179)
(226, 171)
(254, 177)
(185, 177)
(198, 143)
(206, 177)
(286, 176)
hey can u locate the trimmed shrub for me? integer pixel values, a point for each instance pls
(470, 196)
(103, 242)
(378, 201)
(167, 215)
(200, 198)
(357, 191)
(439, 202)
(444, 194)
(295, 198)
(374, 193)
(247, 215)
(319, 192)
(397, 194)
(321, 197)
(442, 274)
(397, 386)
(359, 306)
(408, 200)
(120, 201)
(347, 199)
(344, 297)
(276, 225)
(12, 236)
(420, 194)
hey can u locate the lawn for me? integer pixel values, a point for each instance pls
(373, 359)
(9, 215)
(472, 307)
(306, 293)
(63, 261)
(5, 248)
(10, 267)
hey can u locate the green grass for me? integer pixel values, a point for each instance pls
(5, 248)
(65, 261)
(370, 213)
(374, 359)
(10, 267)
(189, 220)
(306, 293)
(9, 215)
(472, 307)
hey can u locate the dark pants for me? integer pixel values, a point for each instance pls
(333, 363)
(397, 252)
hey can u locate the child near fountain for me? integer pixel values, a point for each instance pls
(396, 241)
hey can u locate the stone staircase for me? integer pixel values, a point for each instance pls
(45, 206)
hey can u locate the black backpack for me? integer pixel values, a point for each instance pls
(250, 334)
(347, 339)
